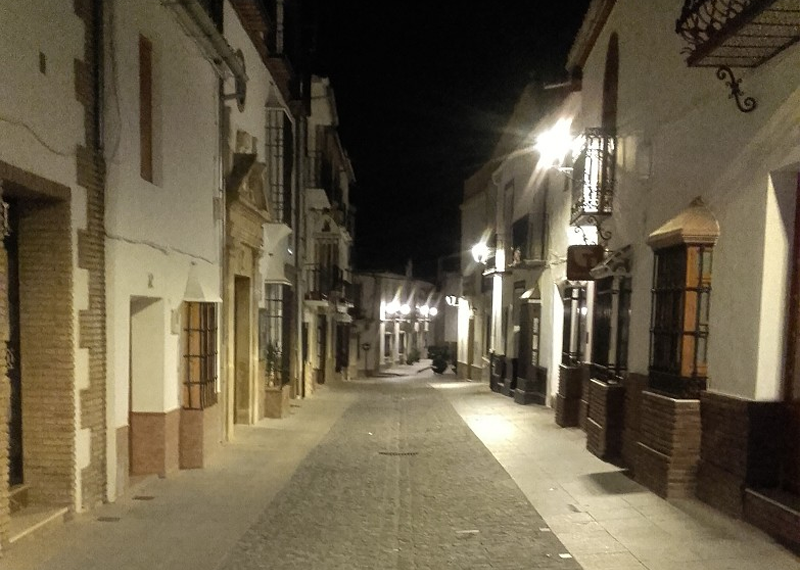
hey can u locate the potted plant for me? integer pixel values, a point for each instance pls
(273, 365)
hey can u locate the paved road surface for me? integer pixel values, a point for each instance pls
(399, 482)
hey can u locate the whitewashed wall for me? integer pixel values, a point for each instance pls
(157, 233)
(41, 127)
(682, 121)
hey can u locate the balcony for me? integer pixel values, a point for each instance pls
(344, 218)
(320, 282)
(594, 178)
(737, 33)
(528, 241)
(329, 284)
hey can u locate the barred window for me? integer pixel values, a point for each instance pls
(679, 321)
(200, 355)
(279, 157)
(274, 331)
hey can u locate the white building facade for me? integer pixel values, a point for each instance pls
(666, 171)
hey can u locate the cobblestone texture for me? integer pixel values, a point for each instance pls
(450, 505)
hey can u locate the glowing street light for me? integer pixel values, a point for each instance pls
(392, 307)
(555, 144)
(480, 252)
(405, 309)
(433, 311)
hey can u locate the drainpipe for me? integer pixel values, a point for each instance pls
(97, 72)
(299, 254)
(498, 334)
(222, 214)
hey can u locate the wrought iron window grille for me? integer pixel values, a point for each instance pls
(679, 319)
(737, 33)
(200, 355)
(593, 181)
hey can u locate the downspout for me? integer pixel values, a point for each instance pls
(299, 255)
(222, 214)
(98, 75)
(98, 44)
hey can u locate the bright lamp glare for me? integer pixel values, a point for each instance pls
(480, 252)
(393, 307)
(424, 310)
(554, 144)
(434, 311)
(405, 309)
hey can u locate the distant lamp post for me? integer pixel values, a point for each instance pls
(405, 309)
(425, 314)
(392, 307)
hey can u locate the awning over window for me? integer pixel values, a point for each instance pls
(202, 285)
(277, 256)
(696, 225)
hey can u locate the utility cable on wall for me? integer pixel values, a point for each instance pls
(36, 135)
(157, 247)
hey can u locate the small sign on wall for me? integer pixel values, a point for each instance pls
(581, 259)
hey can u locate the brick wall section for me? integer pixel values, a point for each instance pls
(669, 445)
(44, 188)
(155, 443)
(775, 517)
(5, 400)
(91, 257)
(199, 435)
(606, 419)
(634, 385)
(791, 451)
(739, 447)
(568, 399)
(583, 408)
(5, 506)
(47, 351)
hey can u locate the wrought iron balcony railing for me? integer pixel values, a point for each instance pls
(329, 283)
(320, 282)
(737, 33)
(594, 178)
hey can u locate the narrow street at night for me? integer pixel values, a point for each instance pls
(408, 471)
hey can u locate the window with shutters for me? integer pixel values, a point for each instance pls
(200, 355)
(679, 322)
(146, 108)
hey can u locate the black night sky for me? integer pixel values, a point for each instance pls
(423, 89)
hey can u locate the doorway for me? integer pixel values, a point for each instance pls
(146, 384)
(13, 370)
(241, 349)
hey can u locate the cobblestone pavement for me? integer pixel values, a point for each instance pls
(400, 481)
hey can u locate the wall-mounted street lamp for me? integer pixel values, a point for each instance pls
(480, 252)
(557, 144)
(554, 144)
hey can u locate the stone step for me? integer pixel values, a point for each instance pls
(18, 497)
(35, 518)
(775, 512)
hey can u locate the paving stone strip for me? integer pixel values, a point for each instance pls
(400, 481)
